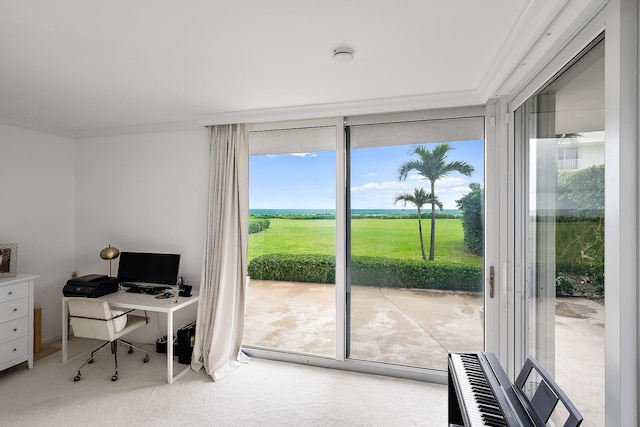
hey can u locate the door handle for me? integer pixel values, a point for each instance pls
(492, 280)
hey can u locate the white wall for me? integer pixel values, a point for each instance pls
(146, 193)
(63, 200)
(37, 211)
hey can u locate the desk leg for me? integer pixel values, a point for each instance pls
(170, 347)
(65, 332)
(181, 372)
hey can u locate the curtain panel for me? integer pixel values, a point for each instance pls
(221, 308)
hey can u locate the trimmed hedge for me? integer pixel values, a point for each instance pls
(293, 268)
(369, 271)
(256, 226)
(401, 273)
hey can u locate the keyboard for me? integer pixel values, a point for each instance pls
(145, 288)
(481, 394)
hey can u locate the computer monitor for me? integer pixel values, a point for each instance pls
(149, 268)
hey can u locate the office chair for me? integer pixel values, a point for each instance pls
(93, 318)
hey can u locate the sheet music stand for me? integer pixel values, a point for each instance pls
(547, 394)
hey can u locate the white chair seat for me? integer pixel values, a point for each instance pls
(133, 322)
(93, 318)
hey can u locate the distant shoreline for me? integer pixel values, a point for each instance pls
(358, 212)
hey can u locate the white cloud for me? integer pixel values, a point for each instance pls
(378, 194)
(382, 195)
(372, 174)
(454, 190)
(381, 186)
(302, 154)
(293, 154)
(453, 181)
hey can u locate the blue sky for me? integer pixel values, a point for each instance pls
(307, 180)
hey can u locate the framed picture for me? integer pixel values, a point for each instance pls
(8, 259)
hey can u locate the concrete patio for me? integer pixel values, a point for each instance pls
(419, 328)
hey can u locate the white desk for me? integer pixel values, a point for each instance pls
(134, 301)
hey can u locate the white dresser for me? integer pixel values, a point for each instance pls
(16, 320)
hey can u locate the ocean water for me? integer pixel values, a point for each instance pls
(372, 212)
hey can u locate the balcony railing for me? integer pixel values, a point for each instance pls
(568, 164)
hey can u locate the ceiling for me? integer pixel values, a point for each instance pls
(73, 66)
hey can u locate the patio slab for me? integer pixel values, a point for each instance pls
(419, 328)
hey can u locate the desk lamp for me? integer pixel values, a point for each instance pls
(109, 253)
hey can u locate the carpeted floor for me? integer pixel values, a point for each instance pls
(260, 393)
(46, 351)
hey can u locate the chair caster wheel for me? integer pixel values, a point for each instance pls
(76, 378)
(130, 350)
(90, 361)
(114, 378)
(146, 359)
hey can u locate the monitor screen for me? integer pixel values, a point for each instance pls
(149, 268)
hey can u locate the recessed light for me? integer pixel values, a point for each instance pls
(343, 54)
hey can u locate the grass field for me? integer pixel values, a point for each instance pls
(394, 238)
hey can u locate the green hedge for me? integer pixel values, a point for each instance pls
(293, 268)
(400, 273)
(369, 271)
(256, 226)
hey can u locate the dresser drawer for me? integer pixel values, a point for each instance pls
(14, 329)
(14, 309)
(13, 292)
(13, 349)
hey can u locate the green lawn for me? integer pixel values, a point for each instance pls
(394, 238)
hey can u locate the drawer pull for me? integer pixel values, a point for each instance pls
(15, 309)
(10, 292)
(15, 349)
(15, 329)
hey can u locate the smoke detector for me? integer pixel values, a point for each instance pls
(343, 54)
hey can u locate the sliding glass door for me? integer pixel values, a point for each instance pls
(415, 235)
(562, 144)
(366, 241)
(292, 241)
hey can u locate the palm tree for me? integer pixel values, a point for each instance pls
(419, 198)
(432, 166)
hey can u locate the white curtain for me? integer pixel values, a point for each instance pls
(221, 308)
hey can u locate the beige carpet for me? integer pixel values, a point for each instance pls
(261, 393)
(46, 351)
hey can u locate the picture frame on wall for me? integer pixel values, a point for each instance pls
(8, 259)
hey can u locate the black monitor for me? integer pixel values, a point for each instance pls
(149, 268)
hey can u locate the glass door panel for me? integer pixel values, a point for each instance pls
(292, 235)
(564, 223)
(415, 237)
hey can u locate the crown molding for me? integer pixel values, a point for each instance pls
(524, 54)
(177, 126)
(520, 41)
(373, 106)
(320, 111)
(28, 125)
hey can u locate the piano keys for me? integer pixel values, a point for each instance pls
(480, 394)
